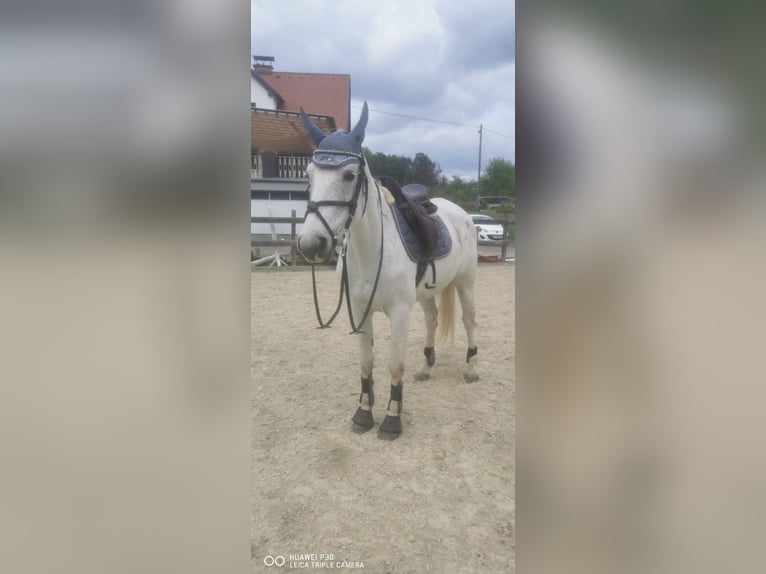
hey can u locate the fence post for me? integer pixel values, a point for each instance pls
(292, 239)
(506, 225)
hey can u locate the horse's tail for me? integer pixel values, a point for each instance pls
(447, 313)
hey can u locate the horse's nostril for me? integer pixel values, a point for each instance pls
(322, 241)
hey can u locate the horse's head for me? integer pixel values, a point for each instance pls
(335, 180)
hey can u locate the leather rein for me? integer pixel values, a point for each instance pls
(361, 188)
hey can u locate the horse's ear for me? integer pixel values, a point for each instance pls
(358, 132)
(316, 134)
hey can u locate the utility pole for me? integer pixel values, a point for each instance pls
(478, 179)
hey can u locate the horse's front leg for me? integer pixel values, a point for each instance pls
(363, 416)
(399, 316)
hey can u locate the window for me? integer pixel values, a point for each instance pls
(279, 195)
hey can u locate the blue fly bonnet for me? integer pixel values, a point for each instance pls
(338, 148)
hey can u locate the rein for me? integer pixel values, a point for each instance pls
(313, 207)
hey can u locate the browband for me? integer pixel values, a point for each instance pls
(335, 158)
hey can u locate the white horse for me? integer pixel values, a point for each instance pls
(346, 205)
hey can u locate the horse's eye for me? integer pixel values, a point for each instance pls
(348, 176)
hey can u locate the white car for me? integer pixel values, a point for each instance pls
(486, 230)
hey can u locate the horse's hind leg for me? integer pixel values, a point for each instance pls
(363, 416)
(469, 321)
(399, 316)
(431, 313)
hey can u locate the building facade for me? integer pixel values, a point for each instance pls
(281, 147)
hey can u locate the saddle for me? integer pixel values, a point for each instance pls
(419, 194)
(423, 233)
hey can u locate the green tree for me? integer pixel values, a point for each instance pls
(422, 169)
(425, 171)
(499, 179)
(458, 191)
(396, 166)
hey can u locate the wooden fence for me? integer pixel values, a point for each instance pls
(293, 243)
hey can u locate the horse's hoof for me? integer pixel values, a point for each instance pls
(430, 356)
(391, 425)
(471, 377)
(422, 376)
(363, 420)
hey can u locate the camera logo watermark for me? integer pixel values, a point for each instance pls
(312, 560)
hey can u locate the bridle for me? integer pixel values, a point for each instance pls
(361, 188)
(361, 184)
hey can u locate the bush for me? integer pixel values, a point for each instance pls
(506, 209)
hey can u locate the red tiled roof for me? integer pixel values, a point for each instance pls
(323, 94)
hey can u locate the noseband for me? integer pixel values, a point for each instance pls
(313, 207)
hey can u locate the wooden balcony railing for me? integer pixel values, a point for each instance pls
(268, 166)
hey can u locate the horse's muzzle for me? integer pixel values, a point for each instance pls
(315, 249)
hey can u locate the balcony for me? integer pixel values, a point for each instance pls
(278, 166)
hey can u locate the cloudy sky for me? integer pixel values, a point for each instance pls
(438, 59)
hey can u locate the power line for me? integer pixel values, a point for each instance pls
(498, 133)
(418, 118)
(434, 121)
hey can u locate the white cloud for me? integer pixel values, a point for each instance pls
(406, 37)
(436, 59)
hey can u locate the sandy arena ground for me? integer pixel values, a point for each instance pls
(440, 498)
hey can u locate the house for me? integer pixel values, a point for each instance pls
(280, 146)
